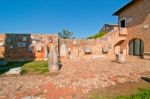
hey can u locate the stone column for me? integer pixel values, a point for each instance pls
(53, 62)
(75, 50)
(45, 53)
(63, 50)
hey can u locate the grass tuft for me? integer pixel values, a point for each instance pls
(141, 94)
(35, 67)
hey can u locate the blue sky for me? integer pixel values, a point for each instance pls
(82, 17)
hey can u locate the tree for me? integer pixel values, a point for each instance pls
(65, 34)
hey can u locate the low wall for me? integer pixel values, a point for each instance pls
(77, 46)
(23, 47)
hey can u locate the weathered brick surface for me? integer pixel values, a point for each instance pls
(75, 80)
(22, 53)
(108, 41)
(139, 13)
(2, 48)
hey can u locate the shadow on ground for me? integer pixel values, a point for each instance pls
(147, 79)
(28, 67)
(10, 65)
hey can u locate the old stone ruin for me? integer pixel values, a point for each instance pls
(81, 48)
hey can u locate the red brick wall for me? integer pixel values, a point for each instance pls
(2, 48)
(138, 15)
(22, 53)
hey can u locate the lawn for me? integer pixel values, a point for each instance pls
(140, 94)
(36, 67)
(129, 90)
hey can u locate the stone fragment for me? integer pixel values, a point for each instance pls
(63, 50)
(146, 55)
(14, 71)
(120, 58)
(53, 63)
(105, 50)
(87, 50)
(31, 97)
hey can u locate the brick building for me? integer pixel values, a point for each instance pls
(109, 27)
(14, 47)
(132, 37)
(134, 22)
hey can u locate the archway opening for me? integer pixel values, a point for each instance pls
(136, 47)
(117, 47)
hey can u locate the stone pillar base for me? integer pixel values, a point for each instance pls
(120, 58)
(146, 55)
(54, 68)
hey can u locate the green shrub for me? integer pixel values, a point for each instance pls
(35, 67)
(98, 35)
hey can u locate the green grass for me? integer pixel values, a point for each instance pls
(36, 67)
(98, 35)
(140, 94)
(98, 95)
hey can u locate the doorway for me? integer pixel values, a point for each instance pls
(136, 47)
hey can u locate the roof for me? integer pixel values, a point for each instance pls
(111, 24)
(124, 7)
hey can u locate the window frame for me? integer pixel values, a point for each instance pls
(21, 44)
(125, 22)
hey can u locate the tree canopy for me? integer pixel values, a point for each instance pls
(65, 34)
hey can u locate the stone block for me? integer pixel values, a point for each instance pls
(120, 58)
(53, 62)
(14, 71)
(105, 50)
(87, 50)
(146, 55)
(63, 50)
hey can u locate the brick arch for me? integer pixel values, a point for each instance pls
(119, 42)
(117, 46)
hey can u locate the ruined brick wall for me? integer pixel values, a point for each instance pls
(77, 49)
(16, 47)
(108, 42)
(42, 44)
(24, 47)
(2, 43)
(138, 23)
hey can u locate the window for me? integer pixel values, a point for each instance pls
(30, 48)
(21, 44)
(19, 37)
(24, 38)
(123, 23)
(10, 46)
(9, 40)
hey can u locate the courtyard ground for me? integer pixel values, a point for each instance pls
(76, 79)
